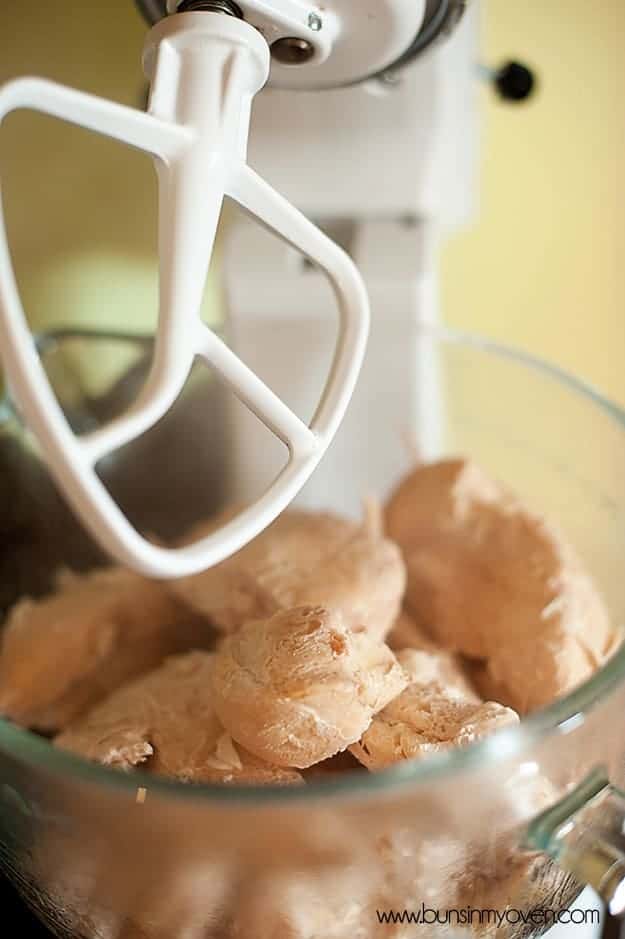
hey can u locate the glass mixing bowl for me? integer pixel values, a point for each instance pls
(513, 825)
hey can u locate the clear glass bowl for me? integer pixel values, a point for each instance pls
(98, 857)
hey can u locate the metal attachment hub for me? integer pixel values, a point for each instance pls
(292, 51)
(211, 6)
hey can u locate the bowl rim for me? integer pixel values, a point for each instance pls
(561, 717)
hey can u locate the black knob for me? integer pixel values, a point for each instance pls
(515, 82)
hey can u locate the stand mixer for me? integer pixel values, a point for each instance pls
(205, 68)
(207, 60)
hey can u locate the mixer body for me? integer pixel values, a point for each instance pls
(389, 170)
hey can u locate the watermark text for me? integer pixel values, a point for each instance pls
(471, 916)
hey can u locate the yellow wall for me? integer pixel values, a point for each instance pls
(81, 211)
(544, 268)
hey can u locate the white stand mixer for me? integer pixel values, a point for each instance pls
(206, 61)
(205, 67)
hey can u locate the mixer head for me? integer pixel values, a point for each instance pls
(335, 43)
(206, 60)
